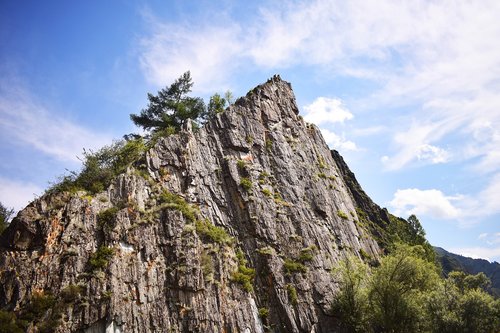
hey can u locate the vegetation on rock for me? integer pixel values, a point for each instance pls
(5, 215)
(100, 167)
(99, 260)
(406, 294)
(171, 108)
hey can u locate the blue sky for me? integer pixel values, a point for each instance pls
(407, 91)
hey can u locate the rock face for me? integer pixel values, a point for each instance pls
(235, 227)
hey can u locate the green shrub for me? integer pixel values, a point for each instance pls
(322, 163)
(342, 215)
(100, 167)
(365, 256)
(106, 218)
(246, 183)
(306, 254)
(292, 294)
(99, 260)
(266, 192)
(292, 266)
(244, 275)
(174, 201)
(241, 165)
(71, 293)
(213, 233)
(263, 313)
(8, 323)
(267, 250)
(207, 266)
(269, 144)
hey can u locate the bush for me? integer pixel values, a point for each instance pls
(266, 192)
(342, 215)
(267, 250)
(99, 260)
(212, 232)
(244, 275)
(106, 218)
(8, 323)
(174, 201)
(306, 254)
(263, 313)
(241, 165)
(292, 266)
(71, 293)
(351, 302)
(269, 144)
(292, 294)
(100, 167)
(246, 183)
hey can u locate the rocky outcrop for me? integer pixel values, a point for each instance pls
(235, 227)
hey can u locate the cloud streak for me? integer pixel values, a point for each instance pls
(28, 121)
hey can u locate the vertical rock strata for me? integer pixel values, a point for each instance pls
(235, 227)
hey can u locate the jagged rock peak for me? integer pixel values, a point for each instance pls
(235, 227)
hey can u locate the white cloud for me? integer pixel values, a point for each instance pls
(438, 61)
(210, 52)
(337, 142)
(326, 110)
(425, 202)
(17, 195)
(466, 210)
(433, 154)
(24, 119)
(488, 253)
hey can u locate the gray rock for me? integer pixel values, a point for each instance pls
(168, 273)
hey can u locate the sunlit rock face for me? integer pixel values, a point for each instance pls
(235, 227)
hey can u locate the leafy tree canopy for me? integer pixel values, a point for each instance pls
(5, 215)
(406, 294)
(171, 108)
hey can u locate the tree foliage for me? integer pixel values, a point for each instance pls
(5, 215)
(171, 108)
(406, 294)
(397, 287)
(100, 167)
(217, 104)
(351, 303)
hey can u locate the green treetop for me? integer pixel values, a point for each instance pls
(168, 111)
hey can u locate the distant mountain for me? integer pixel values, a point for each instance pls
(454, 262)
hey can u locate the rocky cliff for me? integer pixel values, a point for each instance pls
(235, 227)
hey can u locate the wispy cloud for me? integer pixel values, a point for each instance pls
(25, 120)
(442, 58)
(490, 238)
(210, 52)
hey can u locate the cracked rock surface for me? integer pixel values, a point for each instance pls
(235, 227)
